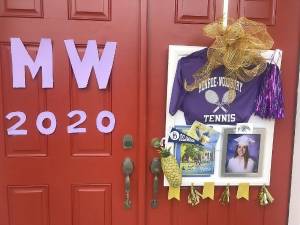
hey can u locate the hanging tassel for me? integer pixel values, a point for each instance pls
(225, 196)
(194, 196)
(269, 103)
(264, 197)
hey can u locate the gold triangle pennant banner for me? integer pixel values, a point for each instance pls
(208, 190)
(243, 191)
(174, 192)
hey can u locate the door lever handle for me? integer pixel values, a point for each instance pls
(127, 168)
(155, 168)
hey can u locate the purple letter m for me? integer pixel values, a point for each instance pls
(21, 58)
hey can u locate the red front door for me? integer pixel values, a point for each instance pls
(180, 22)
(64, 179)
(69, 178)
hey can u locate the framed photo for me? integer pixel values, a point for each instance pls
(243, 154)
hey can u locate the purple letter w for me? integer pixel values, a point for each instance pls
(82, 68)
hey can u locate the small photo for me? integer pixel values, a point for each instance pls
(197, 160)
(242, 153)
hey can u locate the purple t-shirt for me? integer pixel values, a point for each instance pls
(210, 103)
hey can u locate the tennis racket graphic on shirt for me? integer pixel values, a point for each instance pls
(213, 98)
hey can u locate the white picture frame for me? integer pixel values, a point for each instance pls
(229, 147)
(175, 53)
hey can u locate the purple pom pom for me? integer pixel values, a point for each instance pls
(269, 103)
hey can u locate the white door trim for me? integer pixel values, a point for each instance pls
(294, 215)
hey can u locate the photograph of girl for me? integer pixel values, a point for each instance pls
(242, 153)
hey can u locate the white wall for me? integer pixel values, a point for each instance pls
(294, 216)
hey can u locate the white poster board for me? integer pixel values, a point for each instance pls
(175, 53)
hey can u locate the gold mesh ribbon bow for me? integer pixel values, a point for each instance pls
(238, 48)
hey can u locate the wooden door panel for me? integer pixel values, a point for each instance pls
(194, 11)
(92, 101)
(19, 200)
(27, 8)
(85, 198)
(90, 10)
(31, 101)
(263, 11)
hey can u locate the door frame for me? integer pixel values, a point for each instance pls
(294, 216)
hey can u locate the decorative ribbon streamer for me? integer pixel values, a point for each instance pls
(243, 191)
(174, 192)
(225, 196)
(264, 196)
(269, 103)
(194, 196)
(208, 190)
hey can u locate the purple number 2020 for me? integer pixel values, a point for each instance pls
(15, 130)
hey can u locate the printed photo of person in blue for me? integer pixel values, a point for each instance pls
(242, 153)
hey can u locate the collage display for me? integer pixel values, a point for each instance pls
(195, 151)
(222, 103)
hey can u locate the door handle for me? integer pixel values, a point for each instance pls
(127, 167)
(155, 168)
